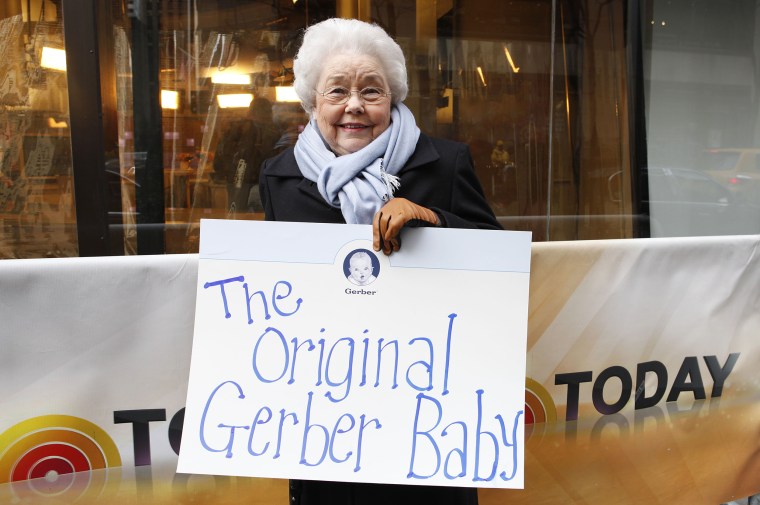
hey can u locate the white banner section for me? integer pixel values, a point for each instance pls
(316, 358)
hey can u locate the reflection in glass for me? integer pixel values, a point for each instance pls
(702, 116)
(518, 89)
(230, 68)
(36, 187)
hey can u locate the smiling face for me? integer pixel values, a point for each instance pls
(351, 126)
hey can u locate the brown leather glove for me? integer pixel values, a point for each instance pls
(393, 216)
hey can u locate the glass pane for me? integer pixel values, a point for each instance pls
(542, 106)
(519, 82)
(703, 117)
(590, 172)
(36, 187)
(225, 73)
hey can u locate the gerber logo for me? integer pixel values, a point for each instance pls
(55, 447)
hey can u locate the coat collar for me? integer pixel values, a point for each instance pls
(287, 166)
(423, 153)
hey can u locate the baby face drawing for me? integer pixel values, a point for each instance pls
(360, 268)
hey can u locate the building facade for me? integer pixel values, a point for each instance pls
(125, 123)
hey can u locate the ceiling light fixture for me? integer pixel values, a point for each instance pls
(482, 77)
(221, 77)
(286, 94)
(234, 101)
(169, 99)
(52, 58)
(515, 69)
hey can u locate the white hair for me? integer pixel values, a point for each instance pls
(346, 36)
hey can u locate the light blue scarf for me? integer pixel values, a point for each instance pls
(361, 182)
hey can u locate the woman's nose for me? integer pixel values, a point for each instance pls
(355, 103)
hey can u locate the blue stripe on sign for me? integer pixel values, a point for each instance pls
(318, 243)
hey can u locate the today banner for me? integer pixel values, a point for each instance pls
(641, 379)
(316, 358)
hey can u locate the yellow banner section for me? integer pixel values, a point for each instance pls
(642, 373)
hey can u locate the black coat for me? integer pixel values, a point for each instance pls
(440, 176)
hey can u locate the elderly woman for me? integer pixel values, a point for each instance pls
(362, 159)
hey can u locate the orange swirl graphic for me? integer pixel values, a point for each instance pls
(539, 406)
(56, 444)
(540, 410)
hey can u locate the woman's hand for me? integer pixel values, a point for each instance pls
(393, 216)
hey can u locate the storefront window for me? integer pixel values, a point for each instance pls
(703, 118)
(226, 104)
(586, 120)
(36, 186)
(517, 82)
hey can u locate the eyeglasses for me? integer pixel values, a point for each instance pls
(339, 95)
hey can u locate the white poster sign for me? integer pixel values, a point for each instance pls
(316, 358)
